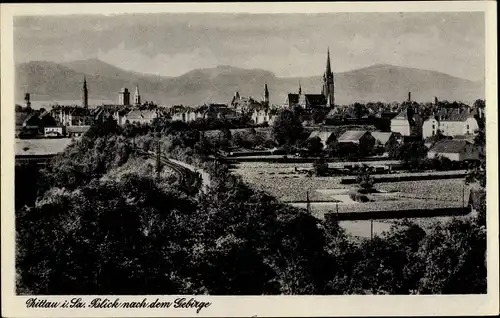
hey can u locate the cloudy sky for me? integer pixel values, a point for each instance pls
(286, 44)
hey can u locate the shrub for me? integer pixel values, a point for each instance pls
(364, 178)
(320, 167)
(358, 197)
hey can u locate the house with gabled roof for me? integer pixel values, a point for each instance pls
(362, 138)
(387, 139)
(408, 122)
(325, 137)
(141, 116)
(455, 150)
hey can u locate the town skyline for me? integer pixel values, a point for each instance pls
(288, 45)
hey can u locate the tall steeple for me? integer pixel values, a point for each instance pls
(266, 95)
(137, 96)
(328, 68)
(27, 100)
(328, 85)
(85, 94)
(300, 89)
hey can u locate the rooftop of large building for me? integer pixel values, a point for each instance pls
(352, 135)
(450, 146)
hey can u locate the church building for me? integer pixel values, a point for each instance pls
(325, 99)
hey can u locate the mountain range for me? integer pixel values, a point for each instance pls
(50, 81)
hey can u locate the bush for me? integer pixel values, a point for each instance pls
(364, 178)
(358, 197)
(320, 167)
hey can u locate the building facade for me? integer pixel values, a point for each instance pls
(325, 99)
(451, 122)
(137, 96)
(124, 97)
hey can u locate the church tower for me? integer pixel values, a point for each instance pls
(137, 96)
(328, 85)
(266, 95)
(27, 100)
(85, 94)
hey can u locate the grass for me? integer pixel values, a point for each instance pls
(41, 146)
(283, 182)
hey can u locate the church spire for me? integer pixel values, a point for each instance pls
(266, 95)
(137, 96)
(85, 93)
(328, 82)
(328, 68)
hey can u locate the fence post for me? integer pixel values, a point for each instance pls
(158, 149)
(371, 229)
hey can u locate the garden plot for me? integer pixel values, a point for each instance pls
(287, 185)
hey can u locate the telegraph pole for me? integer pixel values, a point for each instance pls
(158, 164)
(371, 229)
(308, 203)
(463, 197)
(337, 207)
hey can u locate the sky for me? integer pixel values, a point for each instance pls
(288, 45)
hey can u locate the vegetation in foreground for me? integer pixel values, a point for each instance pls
(97, 224)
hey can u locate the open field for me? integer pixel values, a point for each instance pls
(41, 146)
(283, 182)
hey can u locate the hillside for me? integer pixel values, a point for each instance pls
(49, 81)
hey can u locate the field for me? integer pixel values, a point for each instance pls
(327, 194)
(41, 146)
(283, 182)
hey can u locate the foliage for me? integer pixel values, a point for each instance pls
(100, 129)
(287, 128)
(320, 167)
(358, 197)
(454, 256)
(314, 146)
(365, 179)
(102, 224)
(413, 154)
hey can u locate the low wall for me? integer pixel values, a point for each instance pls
(392, 178)
(396, 214)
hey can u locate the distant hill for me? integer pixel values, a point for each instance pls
(49, 81)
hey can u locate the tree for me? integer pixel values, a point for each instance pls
(287, 128)
(477, 173)
(314, 146)
(413, 154)
(359, 110)
(479, 103)
(453, 255)
(71, 243)
(108, 126)
(320, 167)
(364, 179)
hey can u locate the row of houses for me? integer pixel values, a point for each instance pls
(446, 121)
(259, 115)
(361, 138)
(457, 149)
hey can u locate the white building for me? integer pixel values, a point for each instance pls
(57, 131)
(141, 116)
(261, 116)
(451, 122)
